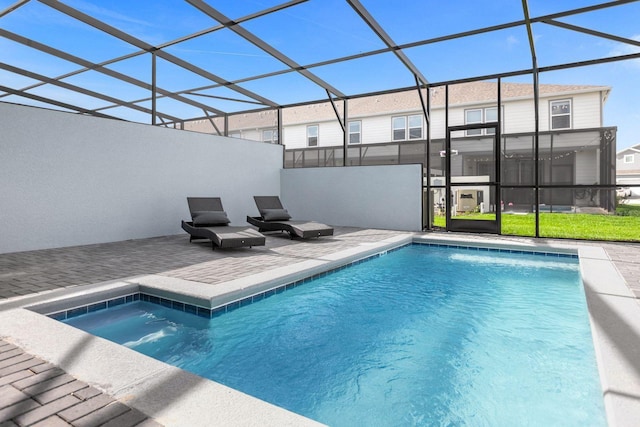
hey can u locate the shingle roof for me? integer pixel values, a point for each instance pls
(405, 101)
(459, 94)
(633, 149)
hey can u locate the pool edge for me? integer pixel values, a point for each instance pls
(609, 300)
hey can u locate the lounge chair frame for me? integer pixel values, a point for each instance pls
(299, 229)
(221, 236)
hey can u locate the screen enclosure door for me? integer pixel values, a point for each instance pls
(472, 179)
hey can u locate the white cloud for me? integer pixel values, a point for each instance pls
(512, 41)
(101, 13)
(620, 49)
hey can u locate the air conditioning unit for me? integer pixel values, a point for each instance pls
(467, 200)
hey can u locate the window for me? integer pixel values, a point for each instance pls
(237, 134)
(490, 115)
(406, 125)
(399, 128)
(472, 117)
(355, 132)
(415, 127)
(270, 136)
(312, 136)
(480, 116)
(561, 114)
(628, 158)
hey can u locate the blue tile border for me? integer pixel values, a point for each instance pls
(502, 250)
(210, 313)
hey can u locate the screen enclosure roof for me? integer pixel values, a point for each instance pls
(166, 61)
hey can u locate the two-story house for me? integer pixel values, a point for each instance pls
(573, 147)
(628, 169)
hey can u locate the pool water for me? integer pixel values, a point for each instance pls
(420, 336)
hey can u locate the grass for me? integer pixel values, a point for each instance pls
(623, 226)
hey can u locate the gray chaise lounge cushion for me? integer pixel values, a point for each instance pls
(209, 218)
(275, 215)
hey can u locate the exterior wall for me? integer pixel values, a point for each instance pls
(517, 117)
(438, 126)
(586, 110)
(621, 166)
(251, 134)
(67, 179)
(376, 129)
(628, 174)
(329, 133)
(295, 136)
(386, 197)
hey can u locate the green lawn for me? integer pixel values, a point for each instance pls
(624, 226)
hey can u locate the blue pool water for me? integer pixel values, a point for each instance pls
(420, 336)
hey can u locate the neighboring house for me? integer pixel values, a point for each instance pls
(398, 116)
(390, 128)
(628, 168)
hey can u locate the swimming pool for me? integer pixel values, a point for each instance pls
(420, 336)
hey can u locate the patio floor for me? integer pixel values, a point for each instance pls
(36, 273)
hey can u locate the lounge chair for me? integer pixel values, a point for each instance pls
(209, 221)
(274, 217)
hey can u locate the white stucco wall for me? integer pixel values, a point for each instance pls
(384, 197)
(67, 179)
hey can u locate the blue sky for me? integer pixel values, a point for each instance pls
(319, 30)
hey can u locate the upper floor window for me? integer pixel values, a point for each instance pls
(355, 132)
(415, 127)
(399, 128)
(561, 114)
(628, 158)
(312, 136)
(406, 125)
(480, 116)
(270, 136)
(490, 115)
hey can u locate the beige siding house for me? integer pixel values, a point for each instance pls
(628, 168)
(574, 149)
(562, 107)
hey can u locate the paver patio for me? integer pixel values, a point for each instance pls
(37, 393)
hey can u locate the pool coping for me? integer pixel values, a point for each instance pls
(143, 382)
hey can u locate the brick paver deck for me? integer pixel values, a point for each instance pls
(33, 392)
(36, 393)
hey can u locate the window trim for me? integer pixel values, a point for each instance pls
(570, 113)
(406, 129)
(316, 136)
(483, 120)
(359, 132)
(403, 129)
(274, 136)
(409, 127)
(627, 157)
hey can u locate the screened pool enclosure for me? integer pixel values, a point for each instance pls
(514, 109)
